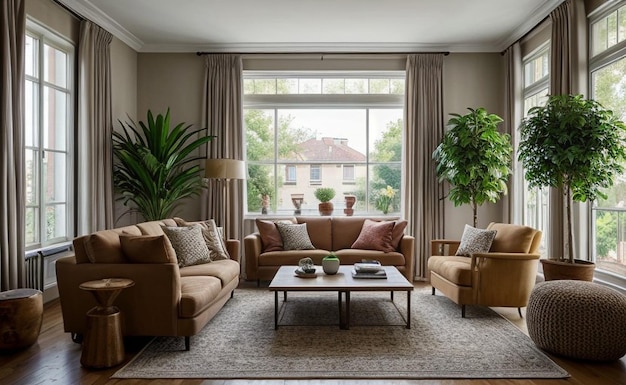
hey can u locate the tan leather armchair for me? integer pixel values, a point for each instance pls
(503, 277)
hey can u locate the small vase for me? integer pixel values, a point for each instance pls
(330, 264)
(350, 200)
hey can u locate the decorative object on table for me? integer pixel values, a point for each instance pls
(350, 200)
(369, 269)
(330, 264)
(475, 159)
(103, 345)
(306, 268)
(296, 200)
(325, 195)
(21, 314)
(578, 147)
(578, 319)
(385, 198)
(156, 168)
(265, 203)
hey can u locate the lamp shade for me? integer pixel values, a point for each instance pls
(225, 169)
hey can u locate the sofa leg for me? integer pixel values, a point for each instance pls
(258, 283)
(433, 290)
(519, 310)
(187, 343)
(232, 294)
(77, 338)
(462, 311)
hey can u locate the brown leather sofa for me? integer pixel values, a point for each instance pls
(504, 276)
(336, 234)
(165, 301)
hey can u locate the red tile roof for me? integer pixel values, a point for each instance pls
(330, 149)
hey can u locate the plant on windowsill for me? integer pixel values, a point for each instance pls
(325, 195)
(156, 167)
(475, 159)
(578, 147)
(385, 197)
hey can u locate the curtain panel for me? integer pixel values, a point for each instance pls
(94, 182)
(12, 39)
(223, 117)
(422, 204)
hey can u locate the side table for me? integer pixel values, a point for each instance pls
(103, 345)
(21, 314)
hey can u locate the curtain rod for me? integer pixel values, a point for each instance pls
(200, 53)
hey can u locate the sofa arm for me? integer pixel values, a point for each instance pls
(252, 249)
(233, 248)
(150, 307)
(444, 246)
(407, 248)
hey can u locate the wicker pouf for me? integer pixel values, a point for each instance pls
(578, 319)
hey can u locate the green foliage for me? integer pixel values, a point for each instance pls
(324, 194)
(156, 167)
(574, 144)
(606, 233)
(474, 158)
(387, 149)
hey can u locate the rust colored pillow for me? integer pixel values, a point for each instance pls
(270, 236)
(398, 233)
(104, 247)
(375, 236)
(148, 248)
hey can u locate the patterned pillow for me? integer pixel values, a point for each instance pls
(189, 244)
(295, 237)
(475, 241)
(375, 236)
(213, 237)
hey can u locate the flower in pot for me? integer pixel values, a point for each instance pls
(475, 159)
(385, 197)
(577, 146)
(330, 264)
(324, 195)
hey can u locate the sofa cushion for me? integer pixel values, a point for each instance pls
(147, 249)
(189, 245)
(226, 270)
(320, 231)
(154, 227)
(512, 238)
(280, 258)
(212, 237)
(345, 230)
(475, 240)
(104, 247)
(197, 293)
(375, 236)
(352, 256)
(295, 236)
(455, 269)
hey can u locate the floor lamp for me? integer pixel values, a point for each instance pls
(224, 170)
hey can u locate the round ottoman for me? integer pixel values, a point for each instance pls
(21, 314)
(577, 319)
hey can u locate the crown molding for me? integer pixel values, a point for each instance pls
(531, 22)
(87, 10)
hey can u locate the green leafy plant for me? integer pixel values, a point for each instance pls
(474, 158)
(324, 194)
(155, 165)
(573, 144)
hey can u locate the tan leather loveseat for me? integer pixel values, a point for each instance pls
(504, 276)
(336, 234)
(165, 301)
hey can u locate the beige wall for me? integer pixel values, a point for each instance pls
(472, 80)
(54, 17)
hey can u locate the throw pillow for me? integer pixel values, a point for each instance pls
(189, 245)
(475, 240)
(147, 248)
(398, 232)
(104, 247)
(212, 237)
(375, 236)
(270, 236)
(295, 237)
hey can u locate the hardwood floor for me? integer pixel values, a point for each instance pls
(55, 359)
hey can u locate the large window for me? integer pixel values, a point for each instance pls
(47, 123)
(339, 130)
(608, 87)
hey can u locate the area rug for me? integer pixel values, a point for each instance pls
(241, 343)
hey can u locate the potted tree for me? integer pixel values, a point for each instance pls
(474, 158)
(324, 195)
(156, 167)
(577, 146)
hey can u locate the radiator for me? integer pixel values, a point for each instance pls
(39, 266)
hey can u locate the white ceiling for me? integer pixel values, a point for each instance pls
(315, 25)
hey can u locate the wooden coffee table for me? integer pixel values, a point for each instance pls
(285, 280)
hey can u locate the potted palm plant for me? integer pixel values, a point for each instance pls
(577, 146)
(474, 158)
(325, 195)
(156, 167)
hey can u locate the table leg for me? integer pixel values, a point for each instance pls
(276, 310)
(347, 310)
(285, 296)
(391, 296)
(408, 309)
(339, 303)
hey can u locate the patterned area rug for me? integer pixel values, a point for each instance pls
(241, 343)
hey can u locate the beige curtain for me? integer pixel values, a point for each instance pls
(568, 55)
(513, 99)
(223, 116)
(423, 119)
(12, 33)
(94, 162)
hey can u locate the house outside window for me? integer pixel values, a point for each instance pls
(318, 122)
(48, 130)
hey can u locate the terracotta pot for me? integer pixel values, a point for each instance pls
(580, 270)
(350, 201)
(326, 208)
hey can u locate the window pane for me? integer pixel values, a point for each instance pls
(287, 86)
(56, 222)
(383, 194)
(348, 173)
(397, 86)
(599, 32)
(31, 57)
(260, 182)
(310, 86)
(55, 66)
(379, 86)
(259, 135)
(621, 20)
(55, 169)
(316, 174)
(333, 86)
(356, 86)
(31, 177)
(31, 109)
(55, 119)
(32, 226)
